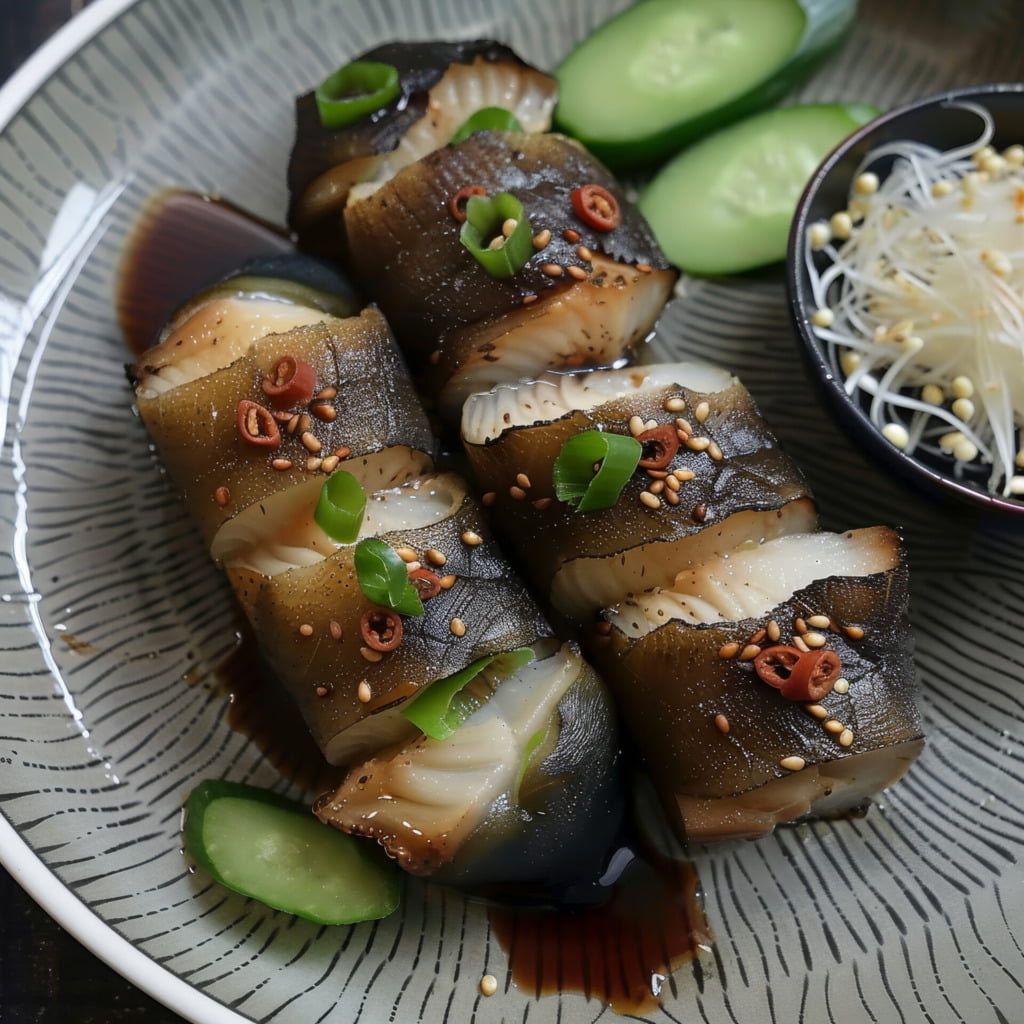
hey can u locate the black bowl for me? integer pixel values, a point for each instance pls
(937, 121)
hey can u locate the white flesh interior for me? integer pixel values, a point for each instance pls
(586, 584)
(441, 789)
(488, 414)
(280, 533)
(587, 323)
(215, 335)
(750, 580)
(463, 90)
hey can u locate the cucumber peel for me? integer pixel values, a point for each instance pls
(726, 204)
(666, 72)
(263, 845)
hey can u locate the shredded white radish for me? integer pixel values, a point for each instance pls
(920, 301)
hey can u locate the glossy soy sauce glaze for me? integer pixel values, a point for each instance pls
(184, 241)
(627, 950)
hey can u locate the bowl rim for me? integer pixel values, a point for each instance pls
(850, 415)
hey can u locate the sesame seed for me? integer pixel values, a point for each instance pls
(222, 496)
(406, 554)
(750, 652)
(306, 629)
(471, 538)
(793, 763)
(330, 464)
(517, 492)
(552, 269)
(335, 628)
(523, 480)
(363, 692)
(282, 464)
(435, 557)
(722, 723)
(325, 412)
(541, 239)
(310, 442)
(846, 738)
(842, 685)
(488, 985)
(447, 582)
(650, 500)
(702, 412)
(817, 710)
(370, 654)
(834, 725)
(819, 621)
(458, 627)
(729, 650)
(674, 404)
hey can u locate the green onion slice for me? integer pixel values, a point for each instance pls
(339, 512)
(384, 579)
(486, 220)
(576, 482)
(495, 119)
(443, 706)
(355, 91)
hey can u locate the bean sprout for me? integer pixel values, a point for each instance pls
(921, 308)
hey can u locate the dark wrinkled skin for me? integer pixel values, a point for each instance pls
(196, 435)
(673, 682)
(498, 612)
(547, 844)
(411, 262)
(754, 473)
(317, 149)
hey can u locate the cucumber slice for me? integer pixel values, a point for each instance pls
(266, 846)
(665, 72)
(725, 205)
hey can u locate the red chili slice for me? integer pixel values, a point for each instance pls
(427, 583)
(457, 203)
(291, 382)
(381, 629)
(662, 443)
(596, 207)
(774, 665)
(813, 676)
(257, 425)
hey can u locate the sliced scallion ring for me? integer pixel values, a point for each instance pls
(339, 511)
(498, 234)
(356, 91)
(495, 119)
(442, 707)
(575, 479)
(384, 578)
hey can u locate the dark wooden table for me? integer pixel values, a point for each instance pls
(46, 977)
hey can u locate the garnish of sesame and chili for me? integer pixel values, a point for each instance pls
(801, 663)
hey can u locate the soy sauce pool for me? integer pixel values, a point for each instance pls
(627, 951)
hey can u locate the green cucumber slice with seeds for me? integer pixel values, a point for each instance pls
(665, 72)
(726, 204)
(265, 846)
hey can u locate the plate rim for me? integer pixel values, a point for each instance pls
(16, 856)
